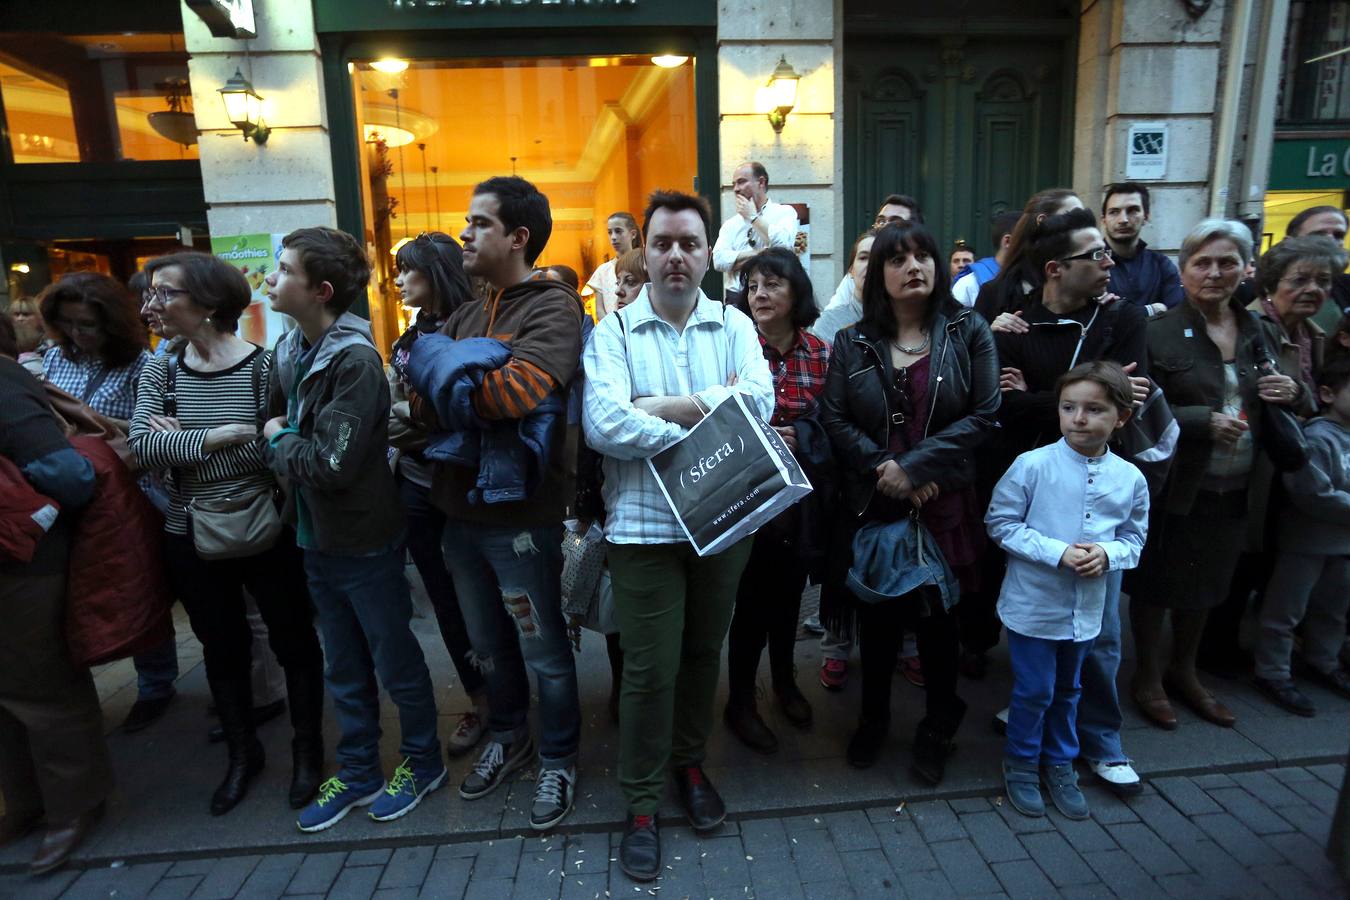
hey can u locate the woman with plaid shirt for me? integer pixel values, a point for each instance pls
(780, 300)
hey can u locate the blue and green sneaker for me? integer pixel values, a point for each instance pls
(406, 789)
(336, 798)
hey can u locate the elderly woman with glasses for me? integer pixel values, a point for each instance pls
(1213, 360)
(1293, 280)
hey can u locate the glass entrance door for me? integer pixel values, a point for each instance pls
(596, 134)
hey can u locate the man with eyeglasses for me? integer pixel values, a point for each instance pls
(1142, 276)
(1071, 319)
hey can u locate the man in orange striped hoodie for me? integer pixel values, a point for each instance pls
(506, 558)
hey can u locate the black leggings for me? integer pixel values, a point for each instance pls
(768, 603)
(881, 628)
(213, 595)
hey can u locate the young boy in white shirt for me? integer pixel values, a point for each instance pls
(1066, 514)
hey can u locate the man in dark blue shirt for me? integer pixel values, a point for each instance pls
(1145, 277)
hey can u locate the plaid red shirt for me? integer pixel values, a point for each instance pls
(798, 376)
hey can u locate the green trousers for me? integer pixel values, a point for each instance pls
(673, 609)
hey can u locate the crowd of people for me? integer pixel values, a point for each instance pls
(1001, 445)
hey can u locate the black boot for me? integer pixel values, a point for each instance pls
(932, 746)
(234, 703)
(305, 691)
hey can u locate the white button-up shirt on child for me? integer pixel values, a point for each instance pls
(1050, 499)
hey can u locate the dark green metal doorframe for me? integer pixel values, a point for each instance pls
(340, 49)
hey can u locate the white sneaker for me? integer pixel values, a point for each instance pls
(1000, 721)
(1120, 777)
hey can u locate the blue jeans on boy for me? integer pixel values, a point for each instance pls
(156, 670)
(1099, 716)
(1044, 699)
(365, 616)
(509, 586)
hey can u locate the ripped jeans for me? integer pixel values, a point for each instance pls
(508, 582)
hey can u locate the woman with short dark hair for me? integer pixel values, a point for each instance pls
(780, 301)
(912, 392)
(197, 417)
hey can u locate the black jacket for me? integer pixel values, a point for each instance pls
(963, 398)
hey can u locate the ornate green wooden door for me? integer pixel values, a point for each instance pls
(970, 126)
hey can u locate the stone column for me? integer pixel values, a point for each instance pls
(286, 183)
(1147, 61)
(804, 160)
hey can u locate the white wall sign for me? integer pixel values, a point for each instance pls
(1146, 151)
(227, 18)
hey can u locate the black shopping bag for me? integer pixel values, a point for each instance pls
(728, 476)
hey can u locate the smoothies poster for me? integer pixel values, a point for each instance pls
(256, 256)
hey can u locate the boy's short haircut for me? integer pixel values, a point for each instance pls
(521, 205)
(1108, 374)
(632, 262)
(1335, 372)
(327, 254)
(676, 201)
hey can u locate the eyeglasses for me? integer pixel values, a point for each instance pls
(1303, 282)
(162, 294)
(1096, 255)
(81, 327)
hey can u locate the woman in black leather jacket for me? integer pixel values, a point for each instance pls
(912, 392)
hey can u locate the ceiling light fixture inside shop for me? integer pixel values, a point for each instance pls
(669, 61)
(390, 65)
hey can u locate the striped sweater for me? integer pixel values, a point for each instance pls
(205, 401)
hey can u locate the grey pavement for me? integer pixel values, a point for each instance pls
(165, 775)
(1250, 834)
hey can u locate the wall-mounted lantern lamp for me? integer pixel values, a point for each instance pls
(243, 107)
(782, 92)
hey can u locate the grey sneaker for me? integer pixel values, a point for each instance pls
(1023, 786)
(553, 795)
(498, 761)
(1062, 783)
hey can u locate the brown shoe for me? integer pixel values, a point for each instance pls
(1204, 704)
(61, 840)
(1156, 708)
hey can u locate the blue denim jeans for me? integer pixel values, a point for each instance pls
(509, 586)
(1044, 699)
(364, 616)
(1099, 716)
(156, 670)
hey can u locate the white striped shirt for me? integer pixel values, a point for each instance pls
(205, 401)
(635, 353)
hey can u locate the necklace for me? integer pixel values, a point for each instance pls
(912, 351)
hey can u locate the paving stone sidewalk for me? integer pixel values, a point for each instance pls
(1256, 833)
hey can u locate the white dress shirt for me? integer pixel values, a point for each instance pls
(605, 284)
(635, 353)
(737, 235)
(1049, 499)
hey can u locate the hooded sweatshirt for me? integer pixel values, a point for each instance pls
(541, 321)
(332, 453)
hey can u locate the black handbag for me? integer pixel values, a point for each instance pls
(1281, 432)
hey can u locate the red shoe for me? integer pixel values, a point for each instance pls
(912, 670)
(833, 674)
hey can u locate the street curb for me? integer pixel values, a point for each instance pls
(473, 837)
